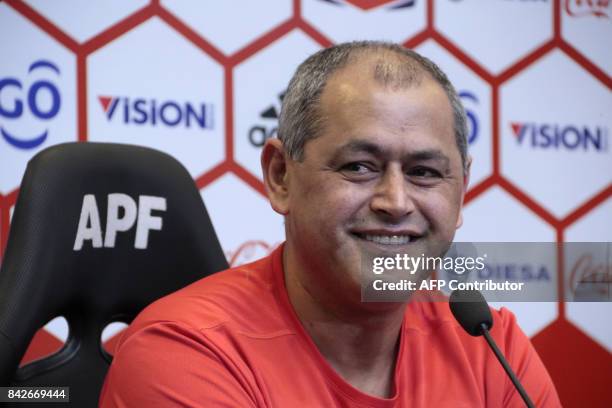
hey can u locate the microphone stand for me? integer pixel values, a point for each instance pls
(504, 363)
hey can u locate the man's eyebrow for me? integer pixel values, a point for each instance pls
(429, 154)
(363, 146)
(360, 146)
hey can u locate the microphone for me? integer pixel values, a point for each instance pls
(473, 314)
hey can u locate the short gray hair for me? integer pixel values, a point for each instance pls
(300, 119)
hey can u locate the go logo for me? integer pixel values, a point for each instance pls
(33, 100)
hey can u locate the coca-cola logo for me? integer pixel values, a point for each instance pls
(581, 8)
(249, 251)
(591, 278)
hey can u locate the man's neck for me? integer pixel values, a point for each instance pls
(361, 347)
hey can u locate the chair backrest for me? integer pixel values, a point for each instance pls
(99, 231)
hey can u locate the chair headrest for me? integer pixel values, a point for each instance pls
(99, 232)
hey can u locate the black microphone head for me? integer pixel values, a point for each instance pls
(471, 310)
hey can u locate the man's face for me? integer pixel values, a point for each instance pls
(384, 176)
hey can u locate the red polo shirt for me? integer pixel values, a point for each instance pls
(234, 340)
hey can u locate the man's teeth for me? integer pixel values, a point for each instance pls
(389, 239)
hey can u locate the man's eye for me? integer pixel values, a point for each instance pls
(357, 167)
(424, 172)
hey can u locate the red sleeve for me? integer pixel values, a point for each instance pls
(527, 366)
(170, 365)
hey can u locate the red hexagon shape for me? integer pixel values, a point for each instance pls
(235, 206)
(133, 98)
(554, 146)
(250, 20)
(346, 20)
(259, 86)
(93, 19)
(593, 318)
(475, 94)
(496, 216)
(513, 29)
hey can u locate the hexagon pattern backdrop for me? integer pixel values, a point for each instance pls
(203, 81)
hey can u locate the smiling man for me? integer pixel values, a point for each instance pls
(371, 159)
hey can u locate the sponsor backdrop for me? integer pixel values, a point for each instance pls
(204, 81)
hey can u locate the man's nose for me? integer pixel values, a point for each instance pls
(392, 195)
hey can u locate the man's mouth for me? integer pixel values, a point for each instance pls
(388, 238)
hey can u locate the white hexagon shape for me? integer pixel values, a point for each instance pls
(37, 95)
(496, 33)
(555, 133)
(475, 95)
(231, 24)
(245, 223)
(152, 87)
(259, 84)
(592, 317)
(584, 24)
(496, 216)
(92, 19)
(348, 20)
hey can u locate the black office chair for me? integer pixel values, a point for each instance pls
(68, 256)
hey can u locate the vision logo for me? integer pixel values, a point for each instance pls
(259, 133)
(42, 99)
(561, 137)
(366, 5)
(582, 8)
(151, 112)
(469, 99)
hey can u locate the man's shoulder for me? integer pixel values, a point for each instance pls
(239, 297)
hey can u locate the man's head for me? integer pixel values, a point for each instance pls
(301, 118)
(370, 161)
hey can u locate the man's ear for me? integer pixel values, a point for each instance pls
(466, 182)
(274, 167)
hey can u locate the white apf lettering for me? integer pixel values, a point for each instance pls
(89, 224)
(113, 222)
(146, 221)
(89, 228)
